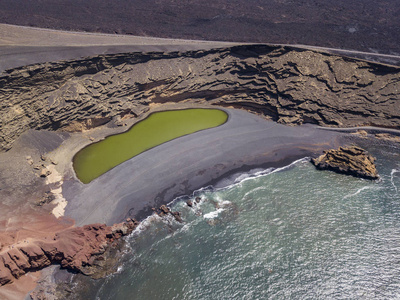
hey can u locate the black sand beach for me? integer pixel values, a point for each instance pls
(185, 164)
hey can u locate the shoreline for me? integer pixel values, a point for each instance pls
(280, 150)
(355, 186)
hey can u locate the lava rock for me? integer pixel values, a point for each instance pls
(352, 160)
(74, 249)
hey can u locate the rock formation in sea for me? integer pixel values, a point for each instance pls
(288, 85)
(165, 211)
(79, 249)
(352, 160)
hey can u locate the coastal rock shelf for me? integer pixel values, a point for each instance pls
(285, 84)
(80, 249)
(348, 160)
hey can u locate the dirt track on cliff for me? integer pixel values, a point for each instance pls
(285, 84)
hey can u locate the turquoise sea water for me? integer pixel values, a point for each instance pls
(292, 233)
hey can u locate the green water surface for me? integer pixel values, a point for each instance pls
(160, 127)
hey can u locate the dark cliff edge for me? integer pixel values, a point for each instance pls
(287, 85)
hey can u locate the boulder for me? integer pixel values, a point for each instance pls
(177, 216)
(45, 172)
(164, 209)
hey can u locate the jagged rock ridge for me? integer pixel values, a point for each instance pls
(352, 160)
(78, 249)
(286, 84)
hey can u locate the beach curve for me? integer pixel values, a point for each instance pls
(183, 165)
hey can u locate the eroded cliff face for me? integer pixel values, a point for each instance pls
(286, 84)
(79, 249)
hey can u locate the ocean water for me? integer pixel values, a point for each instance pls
(291, 233)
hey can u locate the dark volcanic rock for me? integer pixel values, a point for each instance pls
(165, 211)
(351, 160)
(288, 85)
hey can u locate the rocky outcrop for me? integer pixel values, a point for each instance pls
(75, 249)
(388, 137)
(350, 160)
(285, 84)
(165, 211)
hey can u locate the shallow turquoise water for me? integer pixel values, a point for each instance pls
(293, 233)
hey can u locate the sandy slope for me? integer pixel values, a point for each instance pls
(21, 45)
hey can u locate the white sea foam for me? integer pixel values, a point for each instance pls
(394, 171)
(120, 269)
(248, 176)
(224, 203)
(364, 188)
(146, 223)
(213, 214)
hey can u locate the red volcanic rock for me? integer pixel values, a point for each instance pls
(164, 211)
(11, 265)
(19, 258)
(5, 276)
(37, 258)
(73, 249)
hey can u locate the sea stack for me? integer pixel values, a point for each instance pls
(352, 160)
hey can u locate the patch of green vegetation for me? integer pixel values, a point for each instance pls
(160, 127)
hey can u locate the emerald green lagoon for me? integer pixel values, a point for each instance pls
(160, 127)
